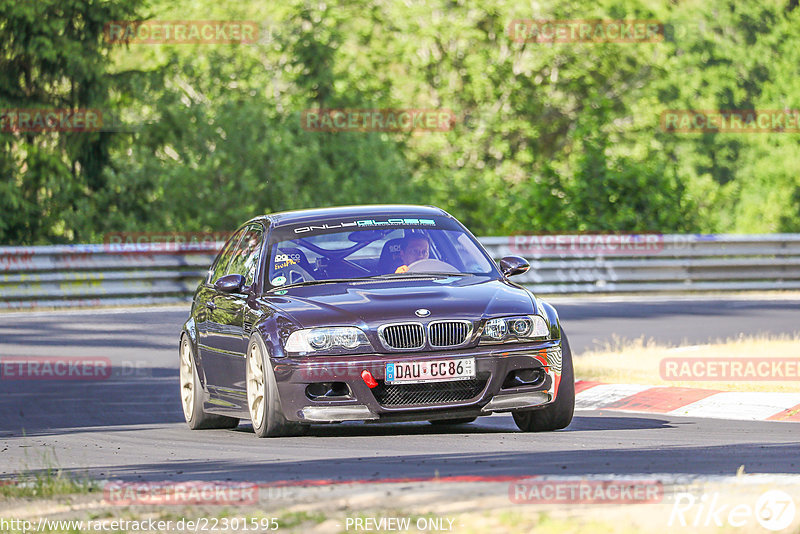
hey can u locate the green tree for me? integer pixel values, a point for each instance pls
(53, 55)
(557, 136)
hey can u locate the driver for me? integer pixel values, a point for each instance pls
(412, 249)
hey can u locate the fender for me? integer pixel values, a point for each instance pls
(552, 318)
(190, 330)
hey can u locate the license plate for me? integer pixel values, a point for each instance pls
(430, 371)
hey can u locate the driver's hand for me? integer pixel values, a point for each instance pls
(401, 269)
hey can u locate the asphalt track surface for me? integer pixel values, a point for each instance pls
(131, 427)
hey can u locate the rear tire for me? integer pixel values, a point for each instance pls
(447, 422)
(557, 415)
(263, 401)
(192, 397)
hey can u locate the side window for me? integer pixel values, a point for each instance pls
(244, 258)
(223, 258)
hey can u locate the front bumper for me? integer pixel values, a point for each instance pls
(302, 380)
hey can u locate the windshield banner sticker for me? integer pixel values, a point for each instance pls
(366, 223)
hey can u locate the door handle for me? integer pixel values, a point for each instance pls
(210, 305)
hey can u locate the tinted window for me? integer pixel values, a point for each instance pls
(244, 258)
(346, 249)
(218, 268)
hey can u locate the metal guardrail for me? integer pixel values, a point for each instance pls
(654, 263)
(104, 274)
(90, 275)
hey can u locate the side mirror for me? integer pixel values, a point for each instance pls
(230, 283)
(511, 265)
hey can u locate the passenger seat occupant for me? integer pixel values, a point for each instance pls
(414, 248)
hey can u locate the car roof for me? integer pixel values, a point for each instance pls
(338, 212)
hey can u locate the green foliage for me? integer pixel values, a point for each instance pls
(53, 56)
(548, 136)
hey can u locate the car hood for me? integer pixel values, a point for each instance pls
(372, 302)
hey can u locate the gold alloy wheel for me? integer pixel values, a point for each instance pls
(255, 385)
(187, 380)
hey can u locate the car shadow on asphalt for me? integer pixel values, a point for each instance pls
(267, 468)
(483, 425)
(132, 397)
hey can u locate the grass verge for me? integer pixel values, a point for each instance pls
(638, 361)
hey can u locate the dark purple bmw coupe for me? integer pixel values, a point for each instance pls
(368, 313)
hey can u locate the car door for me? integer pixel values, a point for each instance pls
(227, 340)
(206, 300)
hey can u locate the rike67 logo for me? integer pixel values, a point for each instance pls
(774, 510)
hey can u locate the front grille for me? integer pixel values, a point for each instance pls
(403, 336)
(448, 333)
(433, 393)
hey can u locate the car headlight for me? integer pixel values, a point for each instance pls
(521, 328)
(334, 338)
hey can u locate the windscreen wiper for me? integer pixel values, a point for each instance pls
(325, 281)
(419, 275)
(374, 277)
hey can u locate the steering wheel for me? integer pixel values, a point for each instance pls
(429, 265)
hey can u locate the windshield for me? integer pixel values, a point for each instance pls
(347, 250)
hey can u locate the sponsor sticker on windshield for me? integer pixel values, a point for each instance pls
(366, 223)
(292, 258)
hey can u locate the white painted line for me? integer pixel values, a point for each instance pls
(745, 406)
(746, 297)
(107, 309)
(599, 396)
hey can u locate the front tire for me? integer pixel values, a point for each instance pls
(557, 415)
(263, 400)
(192, 397)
